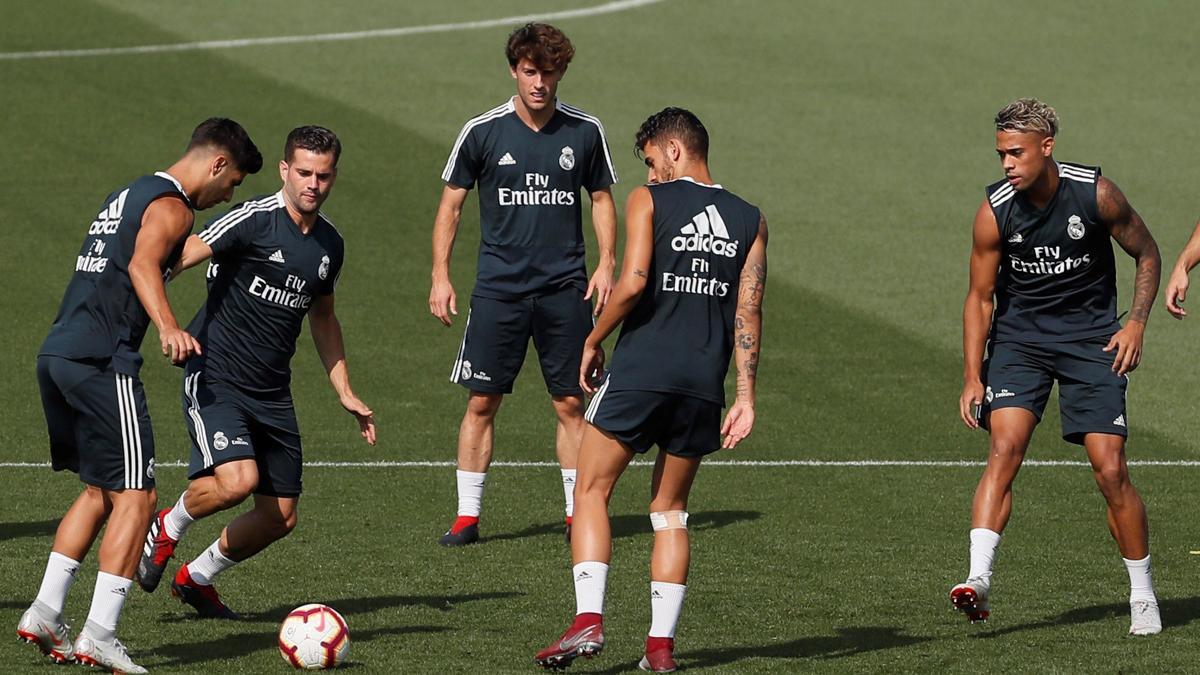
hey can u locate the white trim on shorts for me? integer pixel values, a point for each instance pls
(594, 406)
(131, 437)
(190, 385)
(462, 350)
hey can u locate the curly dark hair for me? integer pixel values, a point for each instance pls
(224, 133)
(541, 43)
(677, 123)
(314, 139)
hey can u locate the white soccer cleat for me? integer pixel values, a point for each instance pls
(971, 598)
(109, 654)
(1144, 618)
(50, 636)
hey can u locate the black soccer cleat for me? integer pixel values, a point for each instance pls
(466, 535)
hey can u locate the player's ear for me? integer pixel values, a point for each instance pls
(219, 163)
(1047, 146)
(674, 149)
(282, 170)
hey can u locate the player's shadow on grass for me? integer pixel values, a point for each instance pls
(40, 528)
(629, 525)
(351, 606)
(1176, 612)
(850, 641)
(246, 643)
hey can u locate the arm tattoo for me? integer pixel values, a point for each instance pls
(1131, 233)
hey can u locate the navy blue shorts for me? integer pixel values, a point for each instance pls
(497, 334)
(98, 422)
(677, 423)
(227, 423)
(1091, 397)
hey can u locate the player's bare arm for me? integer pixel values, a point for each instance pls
(164, 222)
(747, 339)
(327, 336)
(1128, 229)
(977, 309)
(195, 251)
(639, 250)
(604, 220)
(442, 301)
(1177, 287)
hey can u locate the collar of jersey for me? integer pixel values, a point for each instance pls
(715, 186)
(164, 174)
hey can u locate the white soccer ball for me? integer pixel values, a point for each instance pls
(314, 637)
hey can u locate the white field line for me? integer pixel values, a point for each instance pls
(606, 8)
(849, 463)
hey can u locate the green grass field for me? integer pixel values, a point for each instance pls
(863, 130)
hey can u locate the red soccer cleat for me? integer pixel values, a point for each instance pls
(585, 637)
(204, 599)
(465, 530)
(158, 550)
(660, 655)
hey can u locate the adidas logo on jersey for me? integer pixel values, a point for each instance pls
(1016, 238)
(507, 160)
(706, 233)
(277, 256)
(1120, 421)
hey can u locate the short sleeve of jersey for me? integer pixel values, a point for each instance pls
(466, 158)
(335, 270)
(600, 172)
(232, 231)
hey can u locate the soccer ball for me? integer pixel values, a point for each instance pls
(314, 637)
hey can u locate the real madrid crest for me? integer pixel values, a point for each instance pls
(323, 270)
(220, 440)
(567, 159)
(1075, 228)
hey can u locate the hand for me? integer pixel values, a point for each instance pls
(442, 302)
(178, 345)
(600, 285)
(971, 398)
(1128, 343)
(739, 422)
(591, 367)
(1177, 293)
(364, 415)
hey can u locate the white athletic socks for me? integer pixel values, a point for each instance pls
(60, 574)
(470, 492)
(177, 520)
(107, 602)
(209, 564)
(568, 480)
(590, 579)
(983, 552)
(1141, 587)
(666, 602)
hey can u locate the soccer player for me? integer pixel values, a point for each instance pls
(1043, 295)
(94, 403)
(690, 295)
(530, 156)
(275, 259)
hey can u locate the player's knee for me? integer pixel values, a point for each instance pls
(481, 406)
(1006, 450)
(285, 524)
(1111, 478)
(569, 409)
(675, 519)
(233, 490)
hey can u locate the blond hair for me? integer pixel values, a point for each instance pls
(1028, 114)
